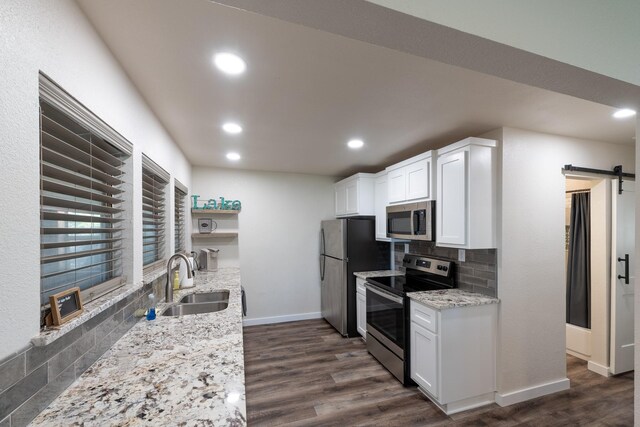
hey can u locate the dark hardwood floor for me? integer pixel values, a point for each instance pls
(305, 374)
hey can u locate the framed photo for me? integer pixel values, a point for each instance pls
(65, 306)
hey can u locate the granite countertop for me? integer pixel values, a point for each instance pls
(451, 298)
(378, 273)
(186, 371)
(94, 308)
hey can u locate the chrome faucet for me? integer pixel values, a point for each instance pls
(169, 289)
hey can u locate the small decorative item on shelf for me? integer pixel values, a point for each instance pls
(213, 204)
(206, 225)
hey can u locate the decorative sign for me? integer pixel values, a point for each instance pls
(65, 306)
(221, 204)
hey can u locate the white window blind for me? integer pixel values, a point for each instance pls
(180, 212)
(154, 182)
(81, 198)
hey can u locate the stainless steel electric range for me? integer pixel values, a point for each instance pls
(388, 309)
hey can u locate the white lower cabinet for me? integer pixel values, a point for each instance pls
(424, 353)
(453, 354)
(361, 307)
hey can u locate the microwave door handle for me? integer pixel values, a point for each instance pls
(416, 222)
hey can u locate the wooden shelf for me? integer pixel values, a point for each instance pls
(215, 234)
(214, 211)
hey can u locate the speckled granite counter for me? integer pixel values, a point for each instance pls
(186, 371)
(94, 308)
(378, 273)
(451, 298)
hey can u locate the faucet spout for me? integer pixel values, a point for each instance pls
(168, 287)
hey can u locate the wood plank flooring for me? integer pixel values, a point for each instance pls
(305, 374)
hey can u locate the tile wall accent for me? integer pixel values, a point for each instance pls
(476, 274)
(31, 379)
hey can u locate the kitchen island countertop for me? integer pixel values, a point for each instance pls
(186, 370)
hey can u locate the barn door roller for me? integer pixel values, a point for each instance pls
(617, 171)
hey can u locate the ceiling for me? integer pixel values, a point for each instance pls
(306, 92)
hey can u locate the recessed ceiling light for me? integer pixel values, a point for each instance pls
(624, 113)
(233, 156)
(229, 63)
(232, 128)
(355, 144)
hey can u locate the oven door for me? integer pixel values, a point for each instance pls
(385, 319)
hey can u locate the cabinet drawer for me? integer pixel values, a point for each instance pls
(424, 316)
(360, 286)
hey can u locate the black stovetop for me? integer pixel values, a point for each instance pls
(400, 285)
(421, 274)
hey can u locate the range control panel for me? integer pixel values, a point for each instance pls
(428, 265)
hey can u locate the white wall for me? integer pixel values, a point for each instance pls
(55, 37)
(636, 389)
(279, 235)
(531, 269)
(600, 36)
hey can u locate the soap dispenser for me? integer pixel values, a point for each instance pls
(176, 281)
(151, 309)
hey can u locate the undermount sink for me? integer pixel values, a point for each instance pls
(214, 296)
(197, 308)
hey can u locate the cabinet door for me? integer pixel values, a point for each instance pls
(452, 198)
(341, 199)
(351, 193)
(381, 188)
(361, 313)
(424, 358)
(396, 181)
(417, 178)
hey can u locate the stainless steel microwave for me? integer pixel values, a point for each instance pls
(412, 221)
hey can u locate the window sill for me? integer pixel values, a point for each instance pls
(94, 308)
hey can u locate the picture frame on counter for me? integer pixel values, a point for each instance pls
(65, 305)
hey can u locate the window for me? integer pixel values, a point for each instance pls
(179, 220)
(81, 198)
(154, 182)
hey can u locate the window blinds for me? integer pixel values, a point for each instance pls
(179, 217)
(154, 181)
(81, 189)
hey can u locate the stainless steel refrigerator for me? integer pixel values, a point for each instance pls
(347, 246)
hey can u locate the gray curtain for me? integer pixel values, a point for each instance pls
(579, 263)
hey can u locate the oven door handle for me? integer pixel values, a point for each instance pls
(384, 294)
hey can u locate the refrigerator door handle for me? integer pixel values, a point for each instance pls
(322, 267)
(322, 242)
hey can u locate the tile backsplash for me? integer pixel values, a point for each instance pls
(476, 274)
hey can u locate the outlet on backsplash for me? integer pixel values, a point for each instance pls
(477, 273)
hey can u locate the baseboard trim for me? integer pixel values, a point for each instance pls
(599, 369)
(518, 396)
(281, 319)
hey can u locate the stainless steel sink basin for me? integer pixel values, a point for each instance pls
(198, 308)
(214, 296)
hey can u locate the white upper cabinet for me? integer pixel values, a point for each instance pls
(381, 201)
(351, 190)
(396, 184)
(411, 180)
(355, 195)
(466, 193)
